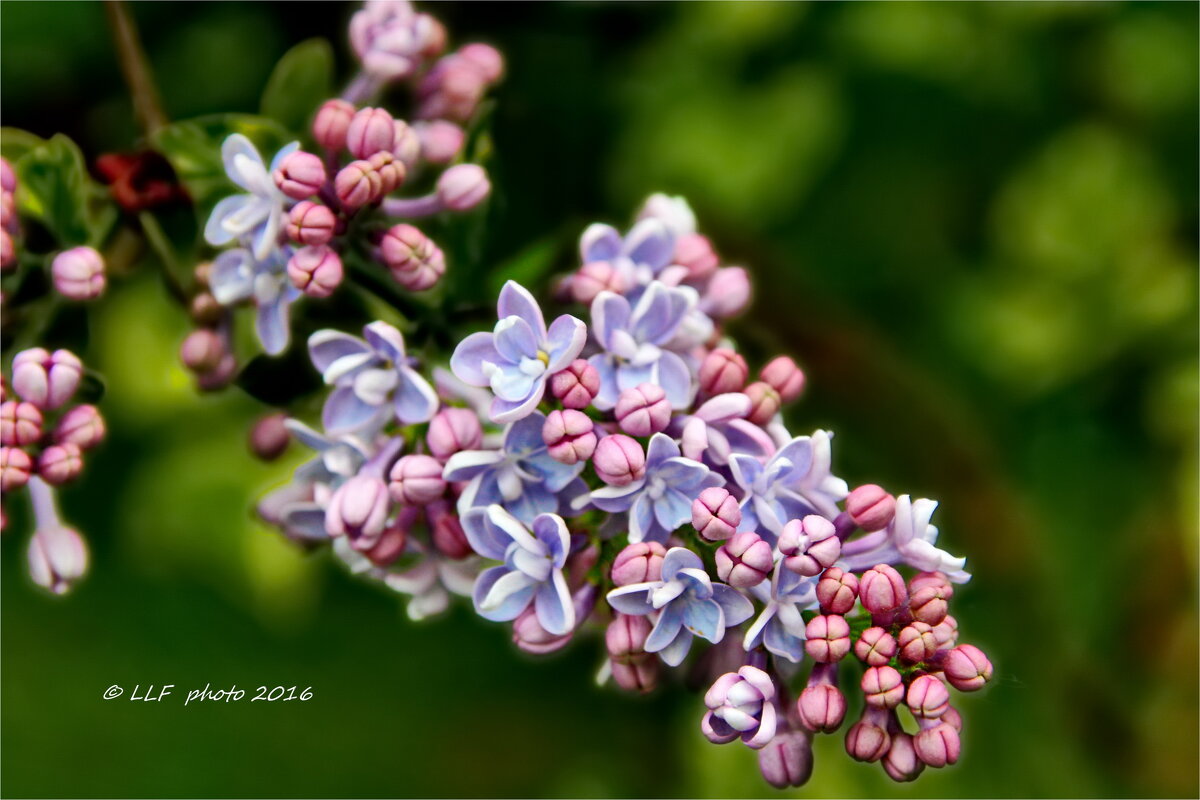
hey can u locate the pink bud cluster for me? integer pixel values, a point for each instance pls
(9, 227)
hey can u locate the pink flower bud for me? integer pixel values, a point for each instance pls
(390, 170)
(311, 223)
(406, 144)
(79, 273)
(625, 637)
(810, 545)
(358, 184)
(577, 385)
(416, 480)
(332, 124)
(370, 131)
(391, 544)
(901, 763)
(16, 467)
(531, 637)
(928, 604)
(8, 178)
(764, 403)
(881, 590)
(58, 558)
(822, 708)
(883, 687)
(202, 351)
(716, 514)
(219, 377)
(744, 560)
(876, 647)
(952, 718)
(917, 643)
(8, 212)
(638, 563)
(727, 293)
(413, 259)
(592, 279)
(927, 697)
(827, 638)
(946, 632)
(452, 430)
(787, 760)
(639, 675)
(463, 187)
(448, 535)
(205, 310)
(694, 251)
(269, 437)
(569, 436)
(316, 271)
(619, 460)
(20, 423)
(48, 380)
(60, 463)
(837, 590)
(82, 426)
(643, 410)
(723, 371)
(871, 507)
(782, 375)
(299, 175)
(485, 59)
(358, 509)
(938, 746)
(867, 739)
(967, 668)
(440, 140)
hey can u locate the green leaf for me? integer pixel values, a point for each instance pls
(302, 79)
(54, 188)
(194, 149)
(15, 143)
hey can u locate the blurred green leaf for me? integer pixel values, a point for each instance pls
(301, 80)
(53, 187)
(194, 149)
(15, 143)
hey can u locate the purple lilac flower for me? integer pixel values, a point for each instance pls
(638, 258)
(793, 483)
(661, 500)
(520, 354)
(780, 626)
(718, 429)
(374, 379)
(520, 475)
(392, 39)
(237, 275)
(688, 604)
(673, 212)
(532, 571)
(258, 216)
(908, 539)
(634, 340)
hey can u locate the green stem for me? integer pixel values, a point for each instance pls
(166, 255)
(135, 67)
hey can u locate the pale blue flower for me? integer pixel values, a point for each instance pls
(780, 626)
(688, 604)
(908, 539)
(519, 355)
(639, 257)
(237, 276)
(258, 216)
(532, 571)
(661, 501)
(717, 430)
(374, 378)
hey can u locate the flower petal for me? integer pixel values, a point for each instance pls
(599, 243)
(515, 300)
(566, 338)
(415, 400)
(553, 605)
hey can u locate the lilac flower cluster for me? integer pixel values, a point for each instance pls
(43, 438)
(625, 454)
(289, 229)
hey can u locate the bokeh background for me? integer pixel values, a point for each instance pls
(975, 225)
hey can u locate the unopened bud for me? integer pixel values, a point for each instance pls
(643, 410)
(269, 436)
(299, 175)
(20, 423)
(764, 402)
(569, 436)
(79, 273)
(577, 385)
(463, 187)
(619, 460)
(871, 507)
(332, 123)
(315, 270)
(311, 223)
(60, 463)
(782, 375)
(716, 514)
(370, 131)
(723, 371)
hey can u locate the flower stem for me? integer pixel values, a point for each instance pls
(166, 255)
(45, 511)
(135, 67)
(413, 206)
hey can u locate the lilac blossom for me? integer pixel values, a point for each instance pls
(374, 379)
(391, 38)
(780, 625)
(908, 539)
(258, 216)
(718, 429)
(237, 275)
(688, 603)
(795, 482)
(532, 571)
(521, 475)
(520, 354)
(673, 212)
(661, 500)
(634, 339)
(638, 257)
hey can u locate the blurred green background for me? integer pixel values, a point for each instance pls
(975, 225)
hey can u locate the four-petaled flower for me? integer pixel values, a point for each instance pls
(368, 373)
(717, 430)
(519, 355)
(908, 538)
(391, 37)
(688, 604)
(256, 217)
(638, 258)
(532, 568)
(634, 339)
(520, 475)
(741, 704)
(237, 275)
(662, 500)
(792, 484)
(780, 626)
